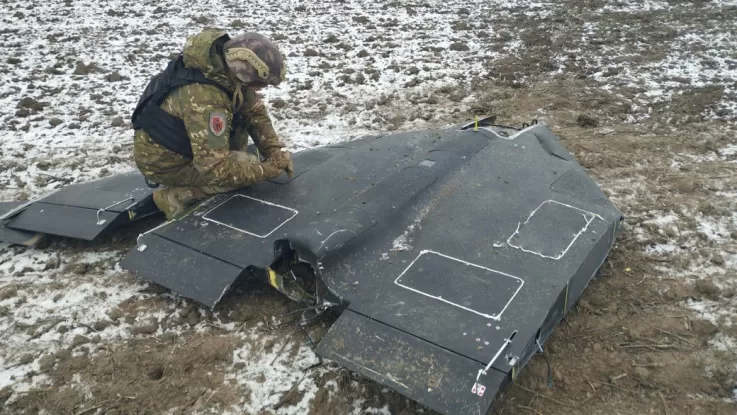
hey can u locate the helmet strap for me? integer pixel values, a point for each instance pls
(238, 96)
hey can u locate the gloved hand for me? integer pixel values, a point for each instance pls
(283, 157)
(272, 169)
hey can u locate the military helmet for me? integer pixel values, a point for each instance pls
(254, 58)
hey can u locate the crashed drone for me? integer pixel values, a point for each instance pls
(450, 255)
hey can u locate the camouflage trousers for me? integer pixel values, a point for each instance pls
(186, 186)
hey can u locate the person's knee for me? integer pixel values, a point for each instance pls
(213, 190)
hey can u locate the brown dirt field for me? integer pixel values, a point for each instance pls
(634, 344)
(629, 346)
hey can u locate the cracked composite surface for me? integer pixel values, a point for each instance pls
(72, 72)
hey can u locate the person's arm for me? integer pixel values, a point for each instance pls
(259, 124)
(207, 118)
(258, 121)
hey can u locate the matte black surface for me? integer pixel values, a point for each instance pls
(476, 289)
(434, 377)
(508, 205)
(6, 207)
(66, 221)
(182, 270)
(72, 211)
(551, 229)
(250, 215)
(14, 236)
(550, 143)
(128, 189)
(307, 162)
(576, 184)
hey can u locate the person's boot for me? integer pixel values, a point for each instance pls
(173, 200)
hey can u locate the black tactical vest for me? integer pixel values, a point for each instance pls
(164, 128)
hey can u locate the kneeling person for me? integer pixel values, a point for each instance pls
(193, 120)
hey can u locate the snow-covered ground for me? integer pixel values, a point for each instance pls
(72, 72)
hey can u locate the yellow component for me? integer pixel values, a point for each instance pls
(628, 269)
(272, 278)
(131, 215)
(33, 240)
(514, 372)
(249, 56)
(565, 304)
(476, 122)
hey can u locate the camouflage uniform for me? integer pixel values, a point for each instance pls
(219, 163)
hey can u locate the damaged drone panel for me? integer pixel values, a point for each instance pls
(500, 230)
(85, 210)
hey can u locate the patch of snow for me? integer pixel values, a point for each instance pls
(698, 56)
(636, 6)
(664, 220)
(12, 372)
(44, 301)
(723, 342)
(713, 311)
(10, 262)
(270, 375)
(401, 244)
(661, 249)
(729, 150)
(377, 411)
(716, 230)
(727, 195)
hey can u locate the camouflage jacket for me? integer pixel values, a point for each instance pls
(197, 105)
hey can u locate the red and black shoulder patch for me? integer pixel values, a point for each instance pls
(217, 123)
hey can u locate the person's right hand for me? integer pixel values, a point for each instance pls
(280, 155)
(272, 169)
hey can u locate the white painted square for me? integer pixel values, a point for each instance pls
(293, 211)
(465, 263)
(588, 216)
